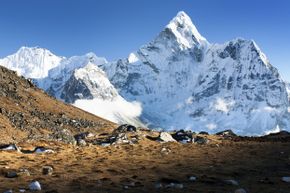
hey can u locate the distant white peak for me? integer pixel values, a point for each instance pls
(92, 58)
(184, 30)
(90, 70)
(32, 62)
(36, 51)
(132, 58)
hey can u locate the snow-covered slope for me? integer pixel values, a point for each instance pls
(31, 62)
(77, 80)
(90, 89)
(183, 81)
(58, 76)
(178, 81)
(288, 89)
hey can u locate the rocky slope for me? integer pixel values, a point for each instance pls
(27, 113)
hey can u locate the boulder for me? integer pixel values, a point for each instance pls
(120, 138)
(23, 172)
(41, 149)
(169, 183)
(231, 182)
(64, 135)
(10, 147)
(47, 170)
(241, 190)
(203, 133)
(226, 133)
(81, 142)
(166, 137)
(8, 191)
(11, 174)
(286, 179)
(35, 186)
(192, 178)
(183, 136)
(200, 140)
(83, 136)
(126, 128)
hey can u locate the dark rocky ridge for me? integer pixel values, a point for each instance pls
(28, 110)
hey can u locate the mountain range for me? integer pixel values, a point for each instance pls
(179, 80)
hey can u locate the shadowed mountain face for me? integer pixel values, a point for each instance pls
(26, 112)
(177, 81)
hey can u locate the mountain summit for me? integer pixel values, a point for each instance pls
(183, 81)
(31, 62)
(177, 81)
(185, 32)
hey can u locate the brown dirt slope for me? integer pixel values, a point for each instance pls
(26, 112)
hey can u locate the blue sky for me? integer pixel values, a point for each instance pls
(114, 28)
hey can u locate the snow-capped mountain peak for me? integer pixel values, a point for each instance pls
(176, 81)
(185, 31)
(89, 82)
(31, 62)
(183, 81)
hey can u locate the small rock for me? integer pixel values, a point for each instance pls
(81, 142)
(170, 183)
(23, 172)
(158, 185)
(203, 133)
(226, 133)
(42, 150)
(165, 150)
(105, 144)
(11, 174)
(126, 128)
(35, 186)
(232, 182)
(120, 138)
(241, 190)
(22, 190)
(286, 179)
(192, 178)
(183, 136)
(166, 137)
(84, 135)
(178, 186)
(47, 170)
(200, 140)
(10, 147)
(8, 191)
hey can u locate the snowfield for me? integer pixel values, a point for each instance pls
(117, 110)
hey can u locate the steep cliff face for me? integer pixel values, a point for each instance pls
(185, 82)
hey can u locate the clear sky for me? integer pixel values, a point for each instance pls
(114, 28)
